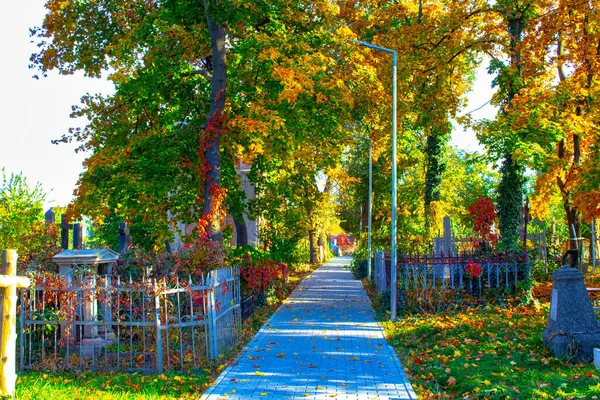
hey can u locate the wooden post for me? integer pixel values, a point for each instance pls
(8, 319)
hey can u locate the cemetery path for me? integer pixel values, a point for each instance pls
(322, 343)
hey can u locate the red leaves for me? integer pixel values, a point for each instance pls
(261, 274)
(473, 269)
(484, 214)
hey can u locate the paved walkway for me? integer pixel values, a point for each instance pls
(322, 343)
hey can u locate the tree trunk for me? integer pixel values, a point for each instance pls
(312, 240)
(433, 178)
(511, 186)
(364, 216)
(241, 231)
(214, 127)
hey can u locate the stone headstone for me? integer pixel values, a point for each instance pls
(448, 248)
(64, 232)
(77, 237)
(124, 237)
(49, 216)
(100, 262)
(573, 330)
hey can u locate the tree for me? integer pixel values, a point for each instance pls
(22, 225)
(195, 85)
(549, 124)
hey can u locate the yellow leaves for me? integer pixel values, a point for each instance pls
(294, 83)
(270, 53)
(451, 381)
(345, 33)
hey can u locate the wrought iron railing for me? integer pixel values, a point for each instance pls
(427, 279)
(99, 322)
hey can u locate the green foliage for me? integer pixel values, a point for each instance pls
(22, 225)
(436, 165)
(193, 261)
(144, 234)
(20, 209)
(510, 203)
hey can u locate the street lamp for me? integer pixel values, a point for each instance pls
(370, 199)
(394, 277)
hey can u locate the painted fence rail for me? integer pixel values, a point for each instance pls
(103, 322)
(426, 276)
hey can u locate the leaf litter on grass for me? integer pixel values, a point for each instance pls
(486, 352)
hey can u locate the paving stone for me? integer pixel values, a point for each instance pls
(322, 343)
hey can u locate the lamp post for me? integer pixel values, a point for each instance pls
(394, 277)
(370, 201)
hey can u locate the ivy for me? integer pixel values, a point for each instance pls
(510, 202)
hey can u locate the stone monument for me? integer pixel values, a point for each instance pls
(573, 330)
(96, 333)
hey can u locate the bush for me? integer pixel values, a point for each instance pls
(384, 299)
(359, 269)
(260, 273)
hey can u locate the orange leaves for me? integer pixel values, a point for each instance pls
(294, 83)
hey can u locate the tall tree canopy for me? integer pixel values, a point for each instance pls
(197, 81)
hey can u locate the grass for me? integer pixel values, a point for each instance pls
(111, 385)
(488, 352)
(33, 385)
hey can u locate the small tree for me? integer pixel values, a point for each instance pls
(22, 225)
(484, 216)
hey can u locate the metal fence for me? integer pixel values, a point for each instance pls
(96, 322)
(436, 279)
(380, 273)
(422, 273)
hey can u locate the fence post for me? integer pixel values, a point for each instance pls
(159, 355)
(212, 317)
(8, 319)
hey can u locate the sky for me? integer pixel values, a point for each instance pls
(34, 112)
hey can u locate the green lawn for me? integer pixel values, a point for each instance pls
(109, 385)
(487, 353)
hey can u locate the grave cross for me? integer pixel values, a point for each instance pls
(124, 237)
(8, 319)
(64, 232)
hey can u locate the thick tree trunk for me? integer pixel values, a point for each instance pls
(214, 126)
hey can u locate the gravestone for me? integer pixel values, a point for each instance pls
(99, 262)
(573, 330)
(124, 237)
(77, 236)
(64, 232)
